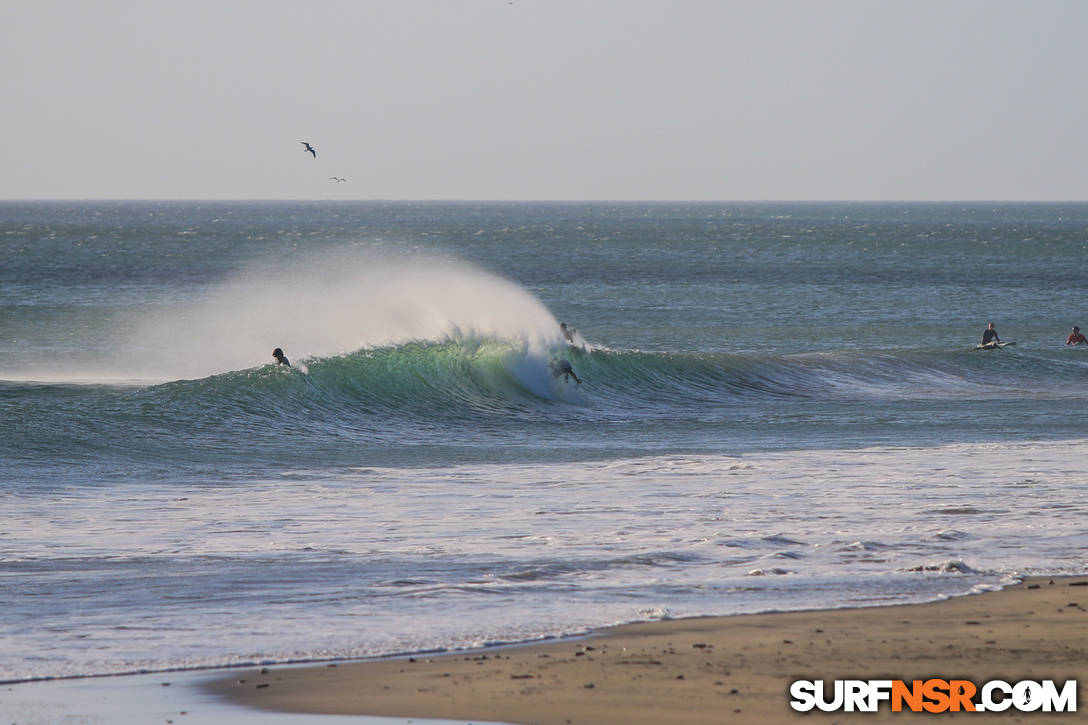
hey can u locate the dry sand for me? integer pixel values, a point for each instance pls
(713, 670)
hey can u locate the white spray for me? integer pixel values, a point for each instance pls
(336, 303)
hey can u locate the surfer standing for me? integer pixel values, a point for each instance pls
(989, 336)
(1076, 337)
(568, 332)
(280, 358)
(562, 367)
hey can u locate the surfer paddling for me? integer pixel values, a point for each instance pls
(562, 367)
(1076, 337)
(280, 358)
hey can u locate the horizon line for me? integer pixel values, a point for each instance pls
(453, 200)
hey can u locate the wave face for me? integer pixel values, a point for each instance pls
(469, 398)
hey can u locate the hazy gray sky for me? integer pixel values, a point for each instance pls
(544, 99)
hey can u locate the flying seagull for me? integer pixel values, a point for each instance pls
(308, 148)
(337, 179)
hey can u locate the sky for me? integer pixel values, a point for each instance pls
(544, 99)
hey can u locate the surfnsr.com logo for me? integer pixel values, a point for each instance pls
(933, 695)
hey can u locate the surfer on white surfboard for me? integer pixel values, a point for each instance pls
(990, 340)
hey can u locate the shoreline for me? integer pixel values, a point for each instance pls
(704, 670)
(337, 661)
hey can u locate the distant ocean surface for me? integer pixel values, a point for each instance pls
(781, 407)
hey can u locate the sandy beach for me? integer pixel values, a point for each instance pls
(711, 670)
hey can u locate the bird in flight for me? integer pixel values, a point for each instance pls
(308, 148)
(337, 179)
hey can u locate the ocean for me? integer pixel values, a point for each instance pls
(780, 407)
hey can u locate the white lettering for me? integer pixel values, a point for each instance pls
(993, 696)
(804, 695)
(879, 690)
(988, 701)
(1027, 696)
(1064, 701)
(822, 701)
(856, 696)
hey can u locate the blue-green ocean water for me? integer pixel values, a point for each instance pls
(781, 406)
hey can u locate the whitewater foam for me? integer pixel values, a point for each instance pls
(469, 554)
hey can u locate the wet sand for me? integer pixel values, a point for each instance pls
(711, 670)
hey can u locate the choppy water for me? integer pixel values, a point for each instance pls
(781, 407)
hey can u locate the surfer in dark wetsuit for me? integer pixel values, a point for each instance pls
(280, 358)
(1076, 337)
(562, 367)
(568, 332)
(989, 336)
